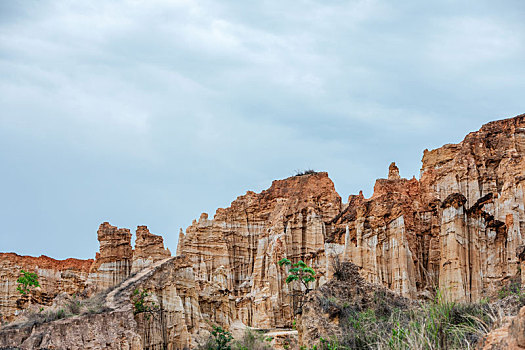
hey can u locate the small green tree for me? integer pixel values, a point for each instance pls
(302, 273)
(222, 338)
(141, 305)
(27, 281)
(299, 272)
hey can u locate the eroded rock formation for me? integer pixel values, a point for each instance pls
(112, 265)
(173, 325)
(55, 277)
(458, 228)
(510, 336)
(149, 248)
(235, 255)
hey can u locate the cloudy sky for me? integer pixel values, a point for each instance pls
(151, 112)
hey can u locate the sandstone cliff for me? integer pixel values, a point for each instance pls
(55, 277)
(112, 265)
(458, 228)
(235, 254)
(169, 282)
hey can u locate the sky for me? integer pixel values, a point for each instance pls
(151, 112)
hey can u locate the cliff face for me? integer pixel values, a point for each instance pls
(479, 184)
(112, 265)
(457, 228)
(55, 277)
(149, 248)
(169, 282)
(235, 255)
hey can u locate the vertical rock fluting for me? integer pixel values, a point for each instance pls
(457, 229)
(480, 183)
(173, 325)
(381, 234)
(149, 248)
(177, 321)
(55, 277)
(235, 255)
(113, 263)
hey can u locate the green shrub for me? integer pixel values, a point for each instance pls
(435, 325)
(142, 305)
(302, 273)
(252, 340)
(27, 281)
(220, 339)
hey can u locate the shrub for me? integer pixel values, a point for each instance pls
(220, 339)
(141, 305)
(435, 325)
(26, 281)
(302, 273)
(299, 272)
(74, 306)
(252, 340)
(304, 172)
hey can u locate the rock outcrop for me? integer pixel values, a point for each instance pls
(326, 310)
(149, 248)
(55, 277)
(510, 336)
(458, 228)
(113, 263)
(235, 255)
(169, 282)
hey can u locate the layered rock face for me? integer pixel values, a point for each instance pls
(178, 322)
(479, 184)
(235, 255)
(169, 282)
(458, 228)
(113, 264)
(55, 277)
(149, 248)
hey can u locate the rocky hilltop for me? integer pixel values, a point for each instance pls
(235, 255)
(458, 228)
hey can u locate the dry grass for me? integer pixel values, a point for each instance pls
(435, 325)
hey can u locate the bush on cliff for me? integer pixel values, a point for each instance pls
(305, 172)
(27, 281)
(302, 273)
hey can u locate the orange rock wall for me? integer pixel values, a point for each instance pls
(236, 254)
(113, 264)
(457, 228)
(55, 276)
